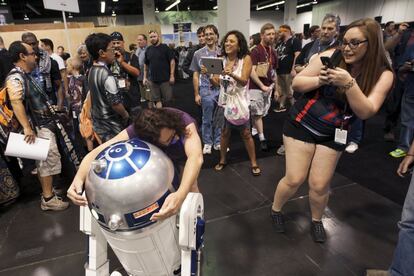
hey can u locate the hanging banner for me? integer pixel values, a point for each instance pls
(182, 27)
(5, 16)
(104, 21)
(62, 5)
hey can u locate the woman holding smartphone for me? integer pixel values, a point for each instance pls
(314, 133)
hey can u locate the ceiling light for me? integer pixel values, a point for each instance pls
(3, 3)
(115, 0)
(277, 7)
(70, 15)
(156, 10)
(25, 17)
(173, 5)
(269, 5)
(103, 6)
(304, 5)
(188, 8)
(315, 2)
(215, 7)
(113, 13)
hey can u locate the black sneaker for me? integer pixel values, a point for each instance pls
(263, 145)
(278, 221)
(318, 232)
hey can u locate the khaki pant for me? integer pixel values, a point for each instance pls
(50, 166)
(145, 91)
(284, 88)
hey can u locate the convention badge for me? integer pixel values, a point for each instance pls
(74, 114)
(341, 136)
(121, 83)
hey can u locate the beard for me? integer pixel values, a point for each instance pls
(155, 42)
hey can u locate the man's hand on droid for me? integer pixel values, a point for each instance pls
(170, 207)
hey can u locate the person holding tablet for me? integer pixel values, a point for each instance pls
(205, 92)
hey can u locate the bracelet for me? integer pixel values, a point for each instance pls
(409, 154)
(347, 86)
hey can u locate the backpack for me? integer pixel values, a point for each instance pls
(85, 121)
(8, 121)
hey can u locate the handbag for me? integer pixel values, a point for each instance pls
(262, 68)
(69, 149)
(236, 110)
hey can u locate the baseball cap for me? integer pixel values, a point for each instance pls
(117, 36)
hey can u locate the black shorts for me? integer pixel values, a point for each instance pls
(296, 131)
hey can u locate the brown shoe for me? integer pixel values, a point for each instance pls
(55, 204)
(377, 272)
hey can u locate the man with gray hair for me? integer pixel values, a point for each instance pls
(328, 39)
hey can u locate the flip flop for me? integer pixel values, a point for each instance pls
(220, 166)
(256, 171)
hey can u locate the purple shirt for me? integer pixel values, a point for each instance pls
(175, 151)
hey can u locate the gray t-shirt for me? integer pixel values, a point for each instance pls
(206, 88)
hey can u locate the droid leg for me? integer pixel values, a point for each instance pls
(98, 263)
(191, 230)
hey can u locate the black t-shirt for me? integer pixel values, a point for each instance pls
(158, 59)
(55, 76)
(286, 53)
(5, 65)
(302, 58)
(118, 71)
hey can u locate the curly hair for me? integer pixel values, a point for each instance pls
(243, 48)
(149, 122)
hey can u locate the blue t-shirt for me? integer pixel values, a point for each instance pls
(206, 88)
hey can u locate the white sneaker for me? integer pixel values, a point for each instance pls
(55, 204)
(254, 131)
(281, 150)
(207, 149)
(351, 147)
(217, 147)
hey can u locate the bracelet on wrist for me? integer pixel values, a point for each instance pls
(347, 86)
(409, 154)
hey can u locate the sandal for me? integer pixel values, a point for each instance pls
(220, 166)
(256, 171)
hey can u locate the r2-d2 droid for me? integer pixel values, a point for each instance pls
(128, 182)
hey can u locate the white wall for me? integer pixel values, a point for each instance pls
(259, 18)
(351, 10)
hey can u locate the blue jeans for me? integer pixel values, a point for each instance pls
(210, 132)
(356, 132)
(407, 119)
(403, 263)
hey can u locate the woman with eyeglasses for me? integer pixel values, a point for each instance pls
(314, 133)
(174, 132)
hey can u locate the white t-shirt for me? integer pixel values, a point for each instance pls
(59, 60)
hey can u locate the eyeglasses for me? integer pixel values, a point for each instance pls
(353, 44)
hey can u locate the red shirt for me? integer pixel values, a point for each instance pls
(261, 54)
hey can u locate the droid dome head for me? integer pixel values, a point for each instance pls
(128, 182)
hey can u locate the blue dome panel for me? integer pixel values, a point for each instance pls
(140, 157)
(137, 143)
(120, 169)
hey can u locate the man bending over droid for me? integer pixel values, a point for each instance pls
(173, 131)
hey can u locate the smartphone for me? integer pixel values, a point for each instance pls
(327, 62)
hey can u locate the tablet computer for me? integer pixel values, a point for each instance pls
(214, 65)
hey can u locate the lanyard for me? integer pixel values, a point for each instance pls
(267, 54)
